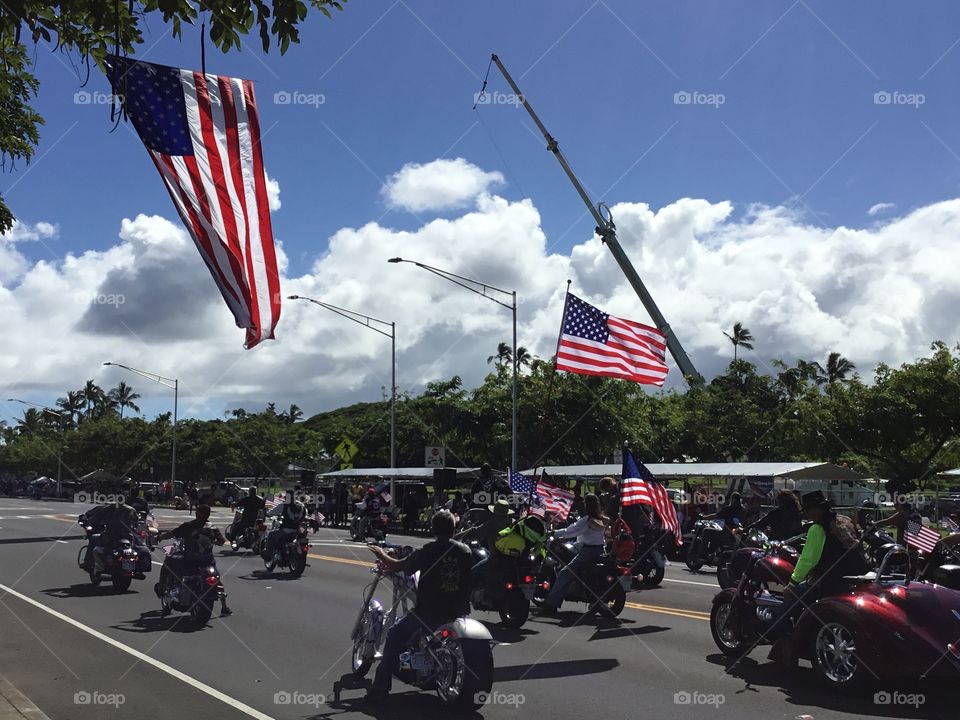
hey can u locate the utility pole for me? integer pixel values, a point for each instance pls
(608, 233)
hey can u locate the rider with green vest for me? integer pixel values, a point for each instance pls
(526, 535)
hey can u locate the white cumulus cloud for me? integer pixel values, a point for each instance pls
(880, 293)
(438, 185)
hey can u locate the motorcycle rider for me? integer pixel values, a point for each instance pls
(117, 521)
(249, 507)
(198, 538)
(488, 532)
(370, 513)
(589, 530)
(526, 535)
(784, 521)
(292, 512)
(443, 593)
(831, 551)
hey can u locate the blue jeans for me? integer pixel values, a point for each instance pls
(397, 638)
(588, 555)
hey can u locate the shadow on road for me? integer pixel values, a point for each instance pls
(152, 621)
(800, 687)
(84, 590)
(557, 669)
(279, 574)
(16, 541)
(615, 629)
(507, 635)
(409, 705)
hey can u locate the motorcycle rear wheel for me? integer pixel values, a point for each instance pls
(121, 583)
(95, 578)
(467, 677)
(202, 609)
(514, 610)
(540, 594)
(653, 578)
(612, 602)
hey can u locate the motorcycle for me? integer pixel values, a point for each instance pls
(507, 590)
(710, 542)
(364, 526)
(903, 627)
(250, 537)
(603, 586)
(292, 552)
(194, 593)
(455, 659)
(730, 572)
(941, 567)
(147, 530)
(649, 559)
(121, 562)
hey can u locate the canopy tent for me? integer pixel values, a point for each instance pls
(670, 471)
(404, 474)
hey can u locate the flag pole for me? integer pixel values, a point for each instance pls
(553, 372)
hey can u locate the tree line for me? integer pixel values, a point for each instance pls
(903, 425)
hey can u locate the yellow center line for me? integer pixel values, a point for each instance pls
(678, 612)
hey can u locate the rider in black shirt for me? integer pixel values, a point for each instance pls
(198, 540)
(443, 593)
(249, 508)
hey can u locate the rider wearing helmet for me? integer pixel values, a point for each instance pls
(292, 512)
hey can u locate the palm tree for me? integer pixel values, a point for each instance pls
(837, 369)
(740, 337)
(503, 356)
(31, 422)
(294, 413)
(93, 395)
(72, 405)
(524, 358)
(123, 396)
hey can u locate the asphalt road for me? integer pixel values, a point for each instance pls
(80, 652)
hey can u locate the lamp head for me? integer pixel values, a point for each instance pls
(293, 297)
(395, 260)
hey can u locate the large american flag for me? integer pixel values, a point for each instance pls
(595, 343)
(203, 134)
(639, 487)
(920, 537)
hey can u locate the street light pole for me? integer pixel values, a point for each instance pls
(366, 321)
(47, 410)
(473, 285)
(173, 384)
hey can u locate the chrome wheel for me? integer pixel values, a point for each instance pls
(450, 671)
(836, 653)
(726, 634)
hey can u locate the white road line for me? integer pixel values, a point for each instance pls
(173, 672)
(691, 582)
(63, 541)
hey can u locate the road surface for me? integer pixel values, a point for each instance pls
(81, 652)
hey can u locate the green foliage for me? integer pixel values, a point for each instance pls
(92, 29)
(904, 426)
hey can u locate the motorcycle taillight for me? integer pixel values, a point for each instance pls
(212, 580)
(528, 579)
(509, 586)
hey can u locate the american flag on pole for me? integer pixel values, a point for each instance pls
(920, 537)
(203, 134)
(639, 487)
(554, 500)
(950, 526)
(522, 484)
(271, 504)
(595, 343)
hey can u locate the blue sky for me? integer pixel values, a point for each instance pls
(788, 111)
(398, 79)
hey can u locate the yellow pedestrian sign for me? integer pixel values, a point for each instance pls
(346, 449)
(346, 466)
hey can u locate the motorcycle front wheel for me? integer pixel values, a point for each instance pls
(465, 673)
(726, 633)
(298, 564)
(693, 559)
(361, 664)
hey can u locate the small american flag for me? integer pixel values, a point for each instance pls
(554, 500)
(277, 499)
(639, 487)
(522, 484)
(203, 134)
(595, 343)
(950, 526)
(920, 537)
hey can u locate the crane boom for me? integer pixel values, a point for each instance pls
(608, 233)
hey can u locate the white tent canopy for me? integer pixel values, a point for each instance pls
(667, 471)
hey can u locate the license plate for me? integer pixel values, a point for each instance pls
(626, 582)
(129, 564)
(528, 591)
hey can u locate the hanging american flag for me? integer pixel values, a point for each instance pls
(595, 343)
(920, 537)
(639, 487)
(203, 134)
